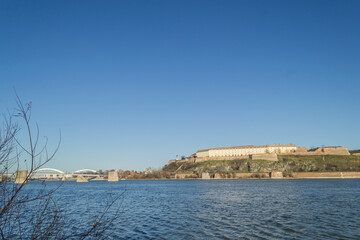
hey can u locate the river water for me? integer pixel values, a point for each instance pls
(218, 209)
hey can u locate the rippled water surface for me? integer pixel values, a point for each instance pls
(221, 209)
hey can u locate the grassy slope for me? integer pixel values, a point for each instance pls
(331, 163)
(212, 166)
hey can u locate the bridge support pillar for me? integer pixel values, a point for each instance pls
(81, 179)
(113, 176)
(20, 177)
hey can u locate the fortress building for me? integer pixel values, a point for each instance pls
(245, 150)
(265, 152)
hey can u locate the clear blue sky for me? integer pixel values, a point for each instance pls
(131, 84)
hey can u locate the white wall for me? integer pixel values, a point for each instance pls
(228, 152)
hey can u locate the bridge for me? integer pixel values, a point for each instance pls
(53, 173)
(81, 175)
(87, 173)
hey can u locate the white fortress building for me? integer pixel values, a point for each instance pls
(245, 151)
(265, 152)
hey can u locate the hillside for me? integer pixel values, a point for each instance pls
(285, 164)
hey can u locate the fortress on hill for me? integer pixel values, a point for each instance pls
(245, 151)
(265, 152)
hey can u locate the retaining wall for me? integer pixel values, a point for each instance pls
(185, 176)
(240, 175)
(269, 156)
(204, 159)
(326, 175)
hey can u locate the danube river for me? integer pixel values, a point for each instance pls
(218, 209)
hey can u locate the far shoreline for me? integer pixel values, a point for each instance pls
(243, 176)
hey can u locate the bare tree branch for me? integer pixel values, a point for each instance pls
(19, 218)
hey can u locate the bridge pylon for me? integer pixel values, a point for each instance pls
(81, 179)
(113, 176)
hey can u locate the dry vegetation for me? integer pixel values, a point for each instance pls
(34, 214)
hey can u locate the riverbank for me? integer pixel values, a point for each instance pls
(233, 176)
(272, 175)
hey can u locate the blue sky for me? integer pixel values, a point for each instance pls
(131, 84)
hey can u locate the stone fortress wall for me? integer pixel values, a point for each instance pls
(322, 151)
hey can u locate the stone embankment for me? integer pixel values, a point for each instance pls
(186, 176)
(326, 175)
(271, 175)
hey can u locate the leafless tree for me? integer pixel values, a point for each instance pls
(28, 214)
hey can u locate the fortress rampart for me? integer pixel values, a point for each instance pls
(266, 152)
(321, 151)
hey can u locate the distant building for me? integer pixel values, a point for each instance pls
(245, 150)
